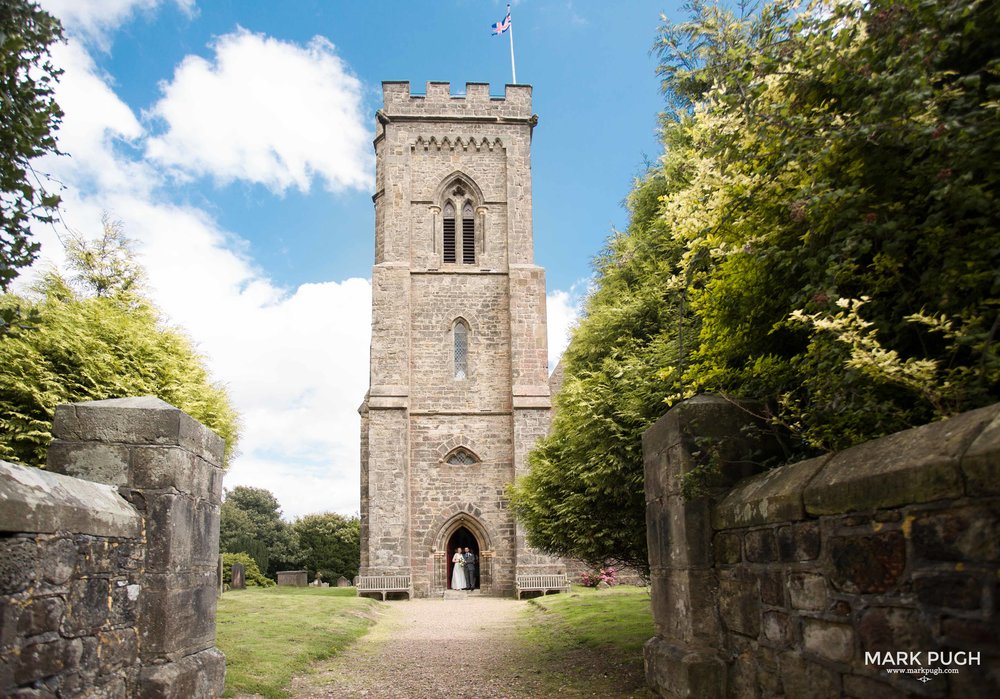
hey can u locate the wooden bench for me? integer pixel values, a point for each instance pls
(385, 584)
(544, 583)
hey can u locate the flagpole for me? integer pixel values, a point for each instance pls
(513, 71)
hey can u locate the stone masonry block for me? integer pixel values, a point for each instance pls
(680, 671)
(913, 466)
(802, 678)
(967, 534)
(682, 533)
(776, 627)
(829, 640)
(41, 501)
(739, 602)
(17, 564)
(57, 560)
(170, 524)
(42, 660)
(197, 676)
(807, 591)
(172, 467)
(42, 615)
(761, 546)
(888, 629)
(981, 463)
(685, 605)
(144, 420)
(727, 547)
(867, 564)
(92, 461)
(178, 615)
(799, 542)
(205, 534)
(769, 497)
(89, 600)
(958, 590)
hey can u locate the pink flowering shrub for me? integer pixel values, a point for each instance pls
(607, 575)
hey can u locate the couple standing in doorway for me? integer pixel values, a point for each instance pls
(463, 576)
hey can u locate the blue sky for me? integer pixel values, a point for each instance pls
(232, 138)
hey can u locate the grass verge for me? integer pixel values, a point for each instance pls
(269, 635)
(591, 640)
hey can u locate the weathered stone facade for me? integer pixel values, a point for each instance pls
(458, 387)
(871, 572)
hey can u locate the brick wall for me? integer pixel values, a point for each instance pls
(791, 581)
(108, 558)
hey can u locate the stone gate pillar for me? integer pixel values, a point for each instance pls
(169, 467)
(684, 659)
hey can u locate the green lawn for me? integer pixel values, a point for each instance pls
(592, 636)
(269, 635)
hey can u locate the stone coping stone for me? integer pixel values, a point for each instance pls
(140, 420)
(769, 497)
(914, 466)
(981, 463)
(33, 500)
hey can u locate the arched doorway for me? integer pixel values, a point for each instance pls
(462, 538)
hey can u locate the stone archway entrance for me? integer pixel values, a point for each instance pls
(463, 529)
(462, 538)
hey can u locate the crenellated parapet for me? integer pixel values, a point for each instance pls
(476, 103)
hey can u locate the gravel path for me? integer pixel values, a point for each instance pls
(454, 649)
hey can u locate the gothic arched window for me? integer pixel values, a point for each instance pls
(449, 233)
(461, 457)
(460, 335)
(462, 208)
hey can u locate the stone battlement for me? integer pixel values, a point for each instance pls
(438, 101)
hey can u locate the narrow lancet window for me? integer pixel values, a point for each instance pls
(449, 233)
(461, 333)
(468, 235)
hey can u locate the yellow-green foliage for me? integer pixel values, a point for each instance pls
(822, 233)
(74, 345)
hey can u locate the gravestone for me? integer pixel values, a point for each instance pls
(343, 582)
(239, 577)
(293, 578)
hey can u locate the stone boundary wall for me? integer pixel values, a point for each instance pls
(108, 558)
(798, 581)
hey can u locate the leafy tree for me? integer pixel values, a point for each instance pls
(251, 514)
(29, 116)
(330, 544)
(824, 235)
(583, 496)
(92, 343)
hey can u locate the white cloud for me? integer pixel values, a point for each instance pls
(295, 361)
(562, 310)
(265, 111)
(93, 20)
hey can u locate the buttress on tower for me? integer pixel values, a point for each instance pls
(458, 389)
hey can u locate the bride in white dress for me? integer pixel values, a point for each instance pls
(458, 574)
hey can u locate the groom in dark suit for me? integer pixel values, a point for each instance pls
(470, 569)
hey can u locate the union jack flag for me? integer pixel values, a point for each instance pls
(501, 27)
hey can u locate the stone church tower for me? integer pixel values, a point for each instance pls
(459, 387)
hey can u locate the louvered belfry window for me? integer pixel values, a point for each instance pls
(449, 233)
(461, 334)
(468, 235)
